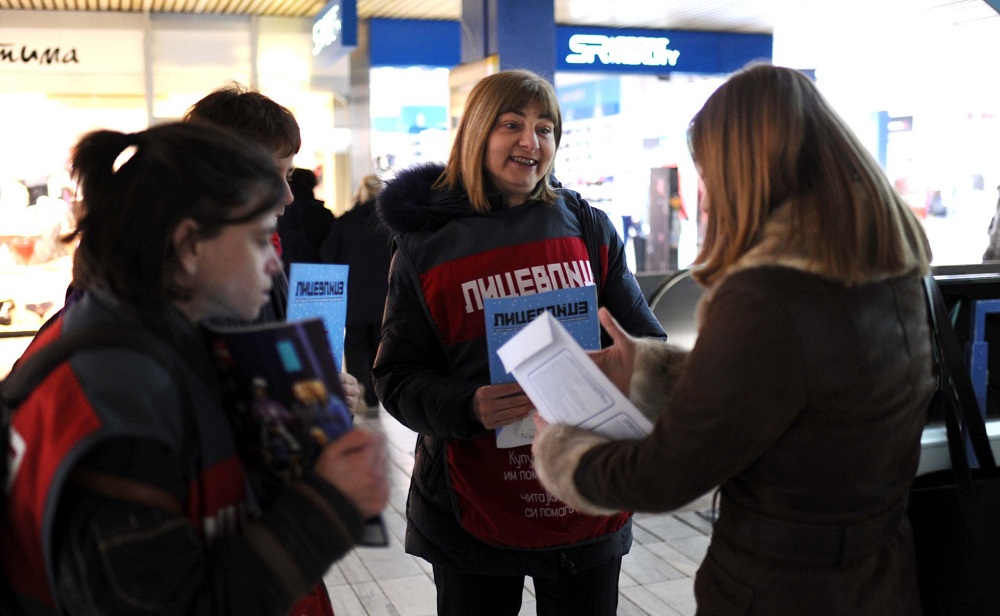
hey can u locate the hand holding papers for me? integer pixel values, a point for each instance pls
(576, 309)
(565, 385)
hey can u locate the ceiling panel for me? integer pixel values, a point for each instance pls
(410, 9)
(757, 16)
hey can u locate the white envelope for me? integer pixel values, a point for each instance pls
(565, 385)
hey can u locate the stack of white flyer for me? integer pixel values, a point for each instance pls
(565, 385)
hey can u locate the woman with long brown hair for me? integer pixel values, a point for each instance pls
(806, 392)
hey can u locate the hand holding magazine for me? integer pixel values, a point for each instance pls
(282, 392)
(565, 385)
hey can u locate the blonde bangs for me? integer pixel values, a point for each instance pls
(494, 95)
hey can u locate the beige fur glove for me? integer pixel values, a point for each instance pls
(658, 365)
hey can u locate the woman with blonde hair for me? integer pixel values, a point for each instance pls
(491, 218)
(806, 392)
(368, 189)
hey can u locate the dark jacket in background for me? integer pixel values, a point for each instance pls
(302, 229)
(358, 240)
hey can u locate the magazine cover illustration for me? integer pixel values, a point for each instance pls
(284, 393)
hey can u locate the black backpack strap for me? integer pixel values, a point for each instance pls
(954, 381)
(591, 231)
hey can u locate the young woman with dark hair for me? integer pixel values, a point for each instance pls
(127, 494)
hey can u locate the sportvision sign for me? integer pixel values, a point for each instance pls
(657, 51)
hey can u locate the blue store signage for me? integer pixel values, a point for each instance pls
(413, 42)
(335, 31)
(657, 52)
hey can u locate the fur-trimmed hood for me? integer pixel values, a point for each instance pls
(407, 203)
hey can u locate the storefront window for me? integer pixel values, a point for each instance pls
(409, 112)
(97, 79)
(87, 76)
(624, 149)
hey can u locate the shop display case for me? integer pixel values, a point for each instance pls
(29, 292)
(35, 271)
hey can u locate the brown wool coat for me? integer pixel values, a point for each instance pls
(804, 400)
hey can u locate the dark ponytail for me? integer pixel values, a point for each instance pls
(136, 188)
(93, 165)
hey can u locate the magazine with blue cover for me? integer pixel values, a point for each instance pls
(575, 308)
(320, 290)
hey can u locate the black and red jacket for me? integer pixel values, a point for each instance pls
(473, 506)
(117, 413)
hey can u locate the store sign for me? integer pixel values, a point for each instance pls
(335, 31)
(30, 50)
(657, 52)
(32, 55)
(403, 42)
(632, 50)
(327, 30)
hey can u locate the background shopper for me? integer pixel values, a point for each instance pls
(305, 223)
(992, 252)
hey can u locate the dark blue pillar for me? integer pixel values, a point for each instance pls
(521, 33)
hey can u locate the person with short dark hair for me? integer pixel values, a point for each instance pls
(305, 223)
(259, 118)
(128, 494)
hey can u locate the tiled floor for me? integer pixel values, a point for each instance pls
(656, 576)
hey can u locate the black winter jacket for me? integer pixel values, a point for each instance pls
(472, 506)
(357, 239)
(157, 531)
(302, 229)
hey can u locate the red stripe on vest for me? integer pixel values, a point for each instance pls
(455, 290)
(216, 499)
